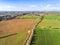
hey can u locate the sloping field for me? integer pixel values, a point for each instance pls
(47, 32)
(20, 26)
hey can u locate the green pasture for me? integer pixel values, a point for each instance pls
(47, 32)
(29, 16)
(17, 39)
(56, 17)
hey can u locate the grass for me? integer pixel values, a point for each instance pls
(47, 37)
(56, 17)
(30, 17)
(13, 40)
(47, 32)
(46, 23)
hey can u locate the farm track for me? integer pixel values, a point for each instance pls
(28, 41)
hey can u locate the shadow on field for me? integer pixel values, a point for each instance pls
(8, 35)
(33, 39)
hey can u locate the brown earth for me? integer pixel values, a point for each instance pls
(16, 25)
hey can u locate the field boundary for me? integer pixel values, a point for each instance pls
(29, 38)
(7, 35)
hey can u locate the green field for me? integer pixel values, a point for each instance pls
(47, 32)
(30, 16)
(13, 40)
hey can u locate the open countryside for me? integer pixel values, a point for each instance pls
(31, 29)
(15, 31)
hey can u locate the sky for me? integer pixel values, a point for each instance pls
(29, 5)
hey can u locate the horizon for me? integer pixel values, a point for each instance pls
(29, 5)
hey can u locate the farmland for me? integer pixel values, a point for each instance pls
(19, 27)
(16, 31)
(48, 31)
(30, 16)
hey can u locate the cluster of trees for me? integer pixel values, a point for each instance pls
(13, 14)
(7, 17)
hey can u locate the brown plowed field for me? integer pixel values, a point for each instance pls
(16, 25)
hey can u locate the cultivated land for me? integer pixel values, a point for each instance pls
(48, 31)
(15, 32)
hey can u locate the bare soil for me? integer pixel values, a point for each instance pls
(16, 26)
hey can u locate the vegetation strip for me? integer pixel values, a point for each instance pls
(7, 35)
